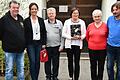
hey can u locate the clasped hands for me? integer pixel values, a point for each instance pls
(76, 37)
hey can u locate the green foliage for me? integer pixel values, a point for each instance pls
(2, 64)
(26, 64)
(1, 61)
(115, 71)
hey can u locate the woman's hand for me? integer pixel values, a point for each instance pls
(76, 37)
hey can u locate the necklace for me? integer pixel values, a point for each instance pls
(36, 29)
(35, 25)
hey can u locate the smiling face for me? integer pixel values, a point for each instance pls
(75, 15)
(116, 11)
(51, 13)
(33, 10)
(97, 16)
(14, 9)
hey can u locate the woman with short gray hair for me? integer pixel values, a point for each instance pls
(96, 36)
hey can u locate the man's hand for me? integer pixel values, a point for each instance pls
(60, 49)
(43, 46)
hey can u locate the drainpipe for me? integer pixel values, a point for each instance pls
(41, 4)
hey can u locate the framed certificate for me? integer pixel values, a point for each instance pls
(75, 29)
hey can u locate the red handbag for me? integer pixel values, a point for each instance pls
(43, 55)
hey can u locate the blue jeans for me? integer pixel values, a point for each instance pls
(34, 59)
(10, 58)
(113, 55)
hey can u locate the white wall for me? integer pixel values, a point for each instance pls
(106, 8)
(25, 7)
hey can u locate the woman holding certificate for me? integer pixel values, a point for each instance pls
(74, 32)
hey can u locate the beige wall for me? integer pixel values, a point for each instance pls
(106, 8)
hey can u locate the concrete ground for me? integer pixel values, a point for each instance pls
(63, 70)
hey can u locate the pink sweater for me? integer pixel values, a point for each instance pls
(97, 37)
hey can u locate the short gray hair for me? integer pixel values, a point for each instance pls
(51, 9)
(97, 11)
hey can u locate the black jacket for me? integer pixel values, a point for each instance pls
(12, 33)
(29, 31)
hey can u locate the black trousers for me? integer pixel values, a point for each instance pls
(73, 55)
(97, 61)
(52, 65)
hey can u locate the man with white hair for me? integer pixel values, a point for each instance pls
(54, 44)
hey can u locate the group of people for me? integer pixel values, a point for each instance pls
(104, 41)
(35, 34)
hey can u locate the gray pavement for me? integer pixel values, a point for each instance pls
(63, 70)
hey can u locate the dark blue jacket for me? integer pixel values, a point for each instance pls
(12, 33)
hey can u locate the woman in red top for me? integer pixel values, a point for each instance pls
(96, 37)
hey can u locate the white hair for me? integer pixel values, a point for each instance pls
(97, 12)
(51, 9)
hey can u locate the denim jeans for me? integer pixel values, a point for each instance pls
(34, 58)
(113, 55)
(10, 58)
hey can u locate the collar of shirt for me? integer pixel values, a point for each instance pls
(52, 22)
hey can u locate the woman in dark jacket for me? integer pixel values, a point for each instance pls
(35, 34)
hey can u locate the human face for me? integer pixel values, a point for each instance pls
(75, 15)
(97, 18)
(116, 12)
(14, 9)
(51, 15)
(34, 10)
